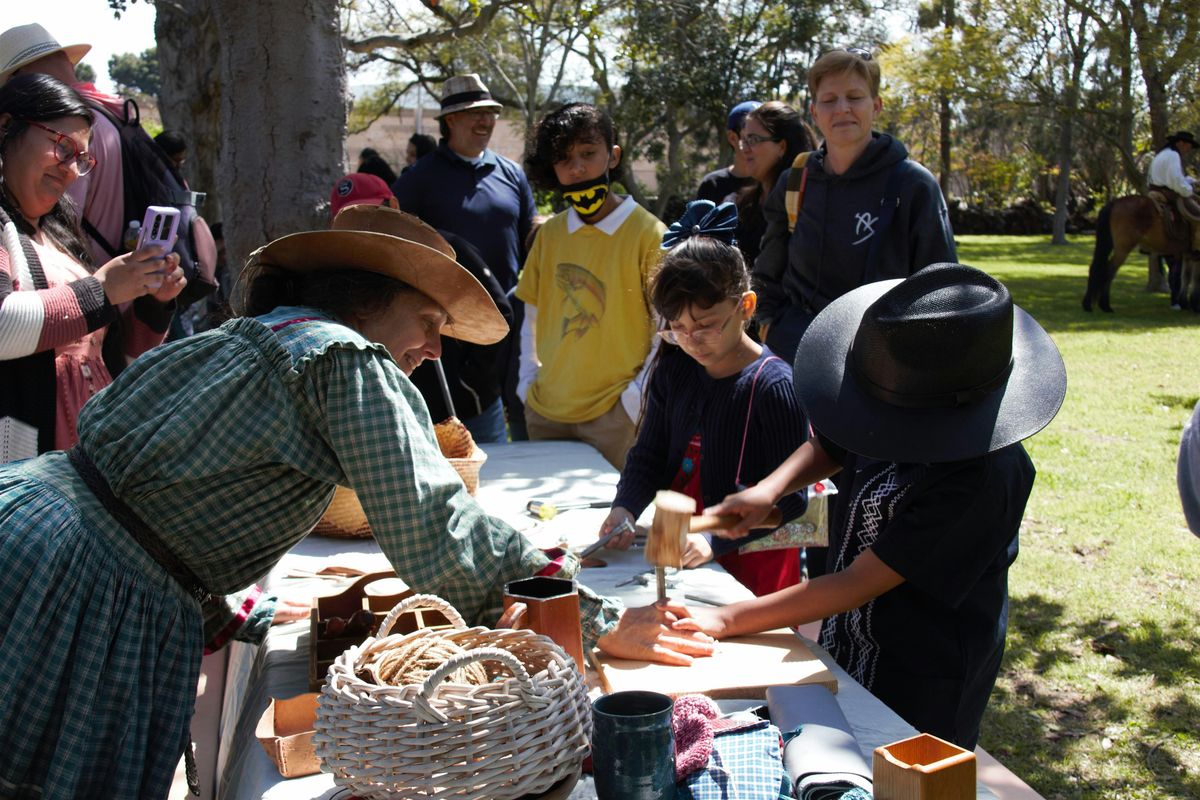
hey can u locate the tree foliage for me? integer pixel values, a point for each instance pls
(136, 72)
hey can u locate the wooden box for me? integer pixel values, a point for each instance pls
(286, 730)
(323, 649)
(923, 767)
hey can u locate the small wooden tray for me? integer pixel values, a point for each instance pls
(323, 649)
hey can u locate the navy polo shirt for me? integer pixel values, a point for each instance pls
(488, 203)
(931, 647)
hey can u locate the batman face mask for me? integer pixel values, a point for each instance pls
(587, 197)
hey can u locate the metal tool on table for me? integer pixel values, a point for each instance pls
(673, 521)
(544, 509)
(625, 525)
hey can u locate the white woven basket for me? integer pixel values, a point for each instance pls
(519, 734)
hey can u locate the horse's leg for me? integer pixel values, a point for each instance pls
(1120, 253)
(1156, 278)
(1189, 291)
(1099, 266)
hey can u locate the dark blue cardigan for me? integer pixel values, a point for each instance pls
(683, 400)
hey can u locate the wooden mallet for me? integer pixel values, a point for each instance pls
(673, 521)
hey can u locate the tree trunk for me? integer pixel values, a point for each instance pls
(669, 182)
(1149, 42)
(1125, 113)
(190, 97)
(1062, 192)
(944, 113)
(283, 118)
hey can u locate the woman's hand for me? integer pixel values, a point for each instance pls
(696, 551)
(615, 517)
(752, 505)
(646, 634)
(698, 621)
(288, 610)
(145, 271)
(173, 280)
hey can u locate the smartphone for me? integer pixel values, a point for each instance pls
(160, 226)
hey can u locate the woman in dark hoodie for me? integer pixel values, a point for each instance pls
(861, 211)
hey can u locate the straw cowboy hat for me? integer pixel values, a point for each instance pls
(938, 367)
(463, 92)
(393, 243)
(25, 44)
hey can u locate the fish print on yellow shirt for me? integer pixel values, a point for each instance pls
(585, 296)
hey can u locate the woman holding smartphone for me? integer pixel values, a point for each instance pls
(55, 305)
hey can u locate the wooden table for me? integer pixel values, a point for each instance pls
(513, 475)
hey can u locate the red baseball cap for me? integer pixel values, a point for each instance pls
(359, 188)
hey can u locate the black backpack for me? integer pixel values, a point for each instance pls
(151, 179)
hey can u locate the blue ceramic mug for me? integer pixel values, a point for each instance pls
(633, 746)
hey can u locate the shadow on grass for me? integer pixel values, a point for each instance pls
(1034, 725)
(1176, 401)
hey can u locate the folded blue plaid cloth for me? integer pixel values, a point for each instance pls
(746, 764)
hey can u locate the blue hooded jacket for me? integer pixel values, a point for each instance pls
(826, 256)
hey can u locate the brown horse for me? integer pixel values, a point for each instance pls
(1129, 222)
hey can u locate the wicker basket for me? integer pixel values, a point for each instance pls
(345, 518)
(521, 733)
(468, 468)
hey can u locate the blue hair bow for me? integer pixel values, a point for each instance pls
(703, 218)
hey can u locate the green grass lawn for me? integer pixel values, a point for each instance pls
(1099, 695)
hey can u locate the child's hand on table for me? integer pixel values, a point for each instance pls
(615, 517)
(696, 551)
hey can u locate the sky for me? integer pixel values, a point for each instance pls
(90, 22)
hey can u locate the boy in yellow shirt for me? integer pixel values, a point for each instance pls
(588, 331)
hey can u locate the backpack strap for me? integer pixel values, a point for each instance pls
(91, 231)
(887, 211)
(793, 200)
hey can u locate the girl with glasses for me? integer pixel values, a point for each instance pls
(719, 407)
(55, 305)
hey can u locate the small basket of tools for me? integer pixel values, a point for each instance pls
(452, 713)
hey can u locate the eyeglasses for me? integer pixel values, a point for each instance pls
(705, 335)
(752, 140)
(66, 151)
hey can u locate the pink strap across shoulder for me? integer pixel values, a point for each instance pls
(749, 407)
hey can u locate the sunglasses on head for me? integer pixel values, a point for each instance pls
(865, 55)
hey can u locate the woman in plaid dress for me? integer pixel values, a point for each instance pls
(218, 453)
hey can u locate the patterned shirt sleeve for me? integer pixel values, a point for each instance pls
(437, 537)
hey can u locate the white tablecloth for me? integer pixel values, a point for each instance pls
(513, 475)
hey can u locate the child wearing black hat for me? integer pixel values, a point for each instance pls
(919, 392)
(719, 412)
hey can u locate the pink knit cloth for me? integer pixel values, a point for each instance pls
(692, 720)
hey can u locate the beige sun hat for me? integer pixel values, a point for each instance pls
(463, 92)
(393, 243)
(25, 44)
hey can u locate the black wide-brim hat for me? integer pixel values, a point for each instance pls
(941, 366)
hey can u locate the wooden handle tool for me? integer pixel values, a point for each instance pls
(668, 534)
(723, 522)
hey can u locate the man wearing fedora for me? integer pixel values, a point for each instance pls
(919, 392)
(467, 189)
(99, 195)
